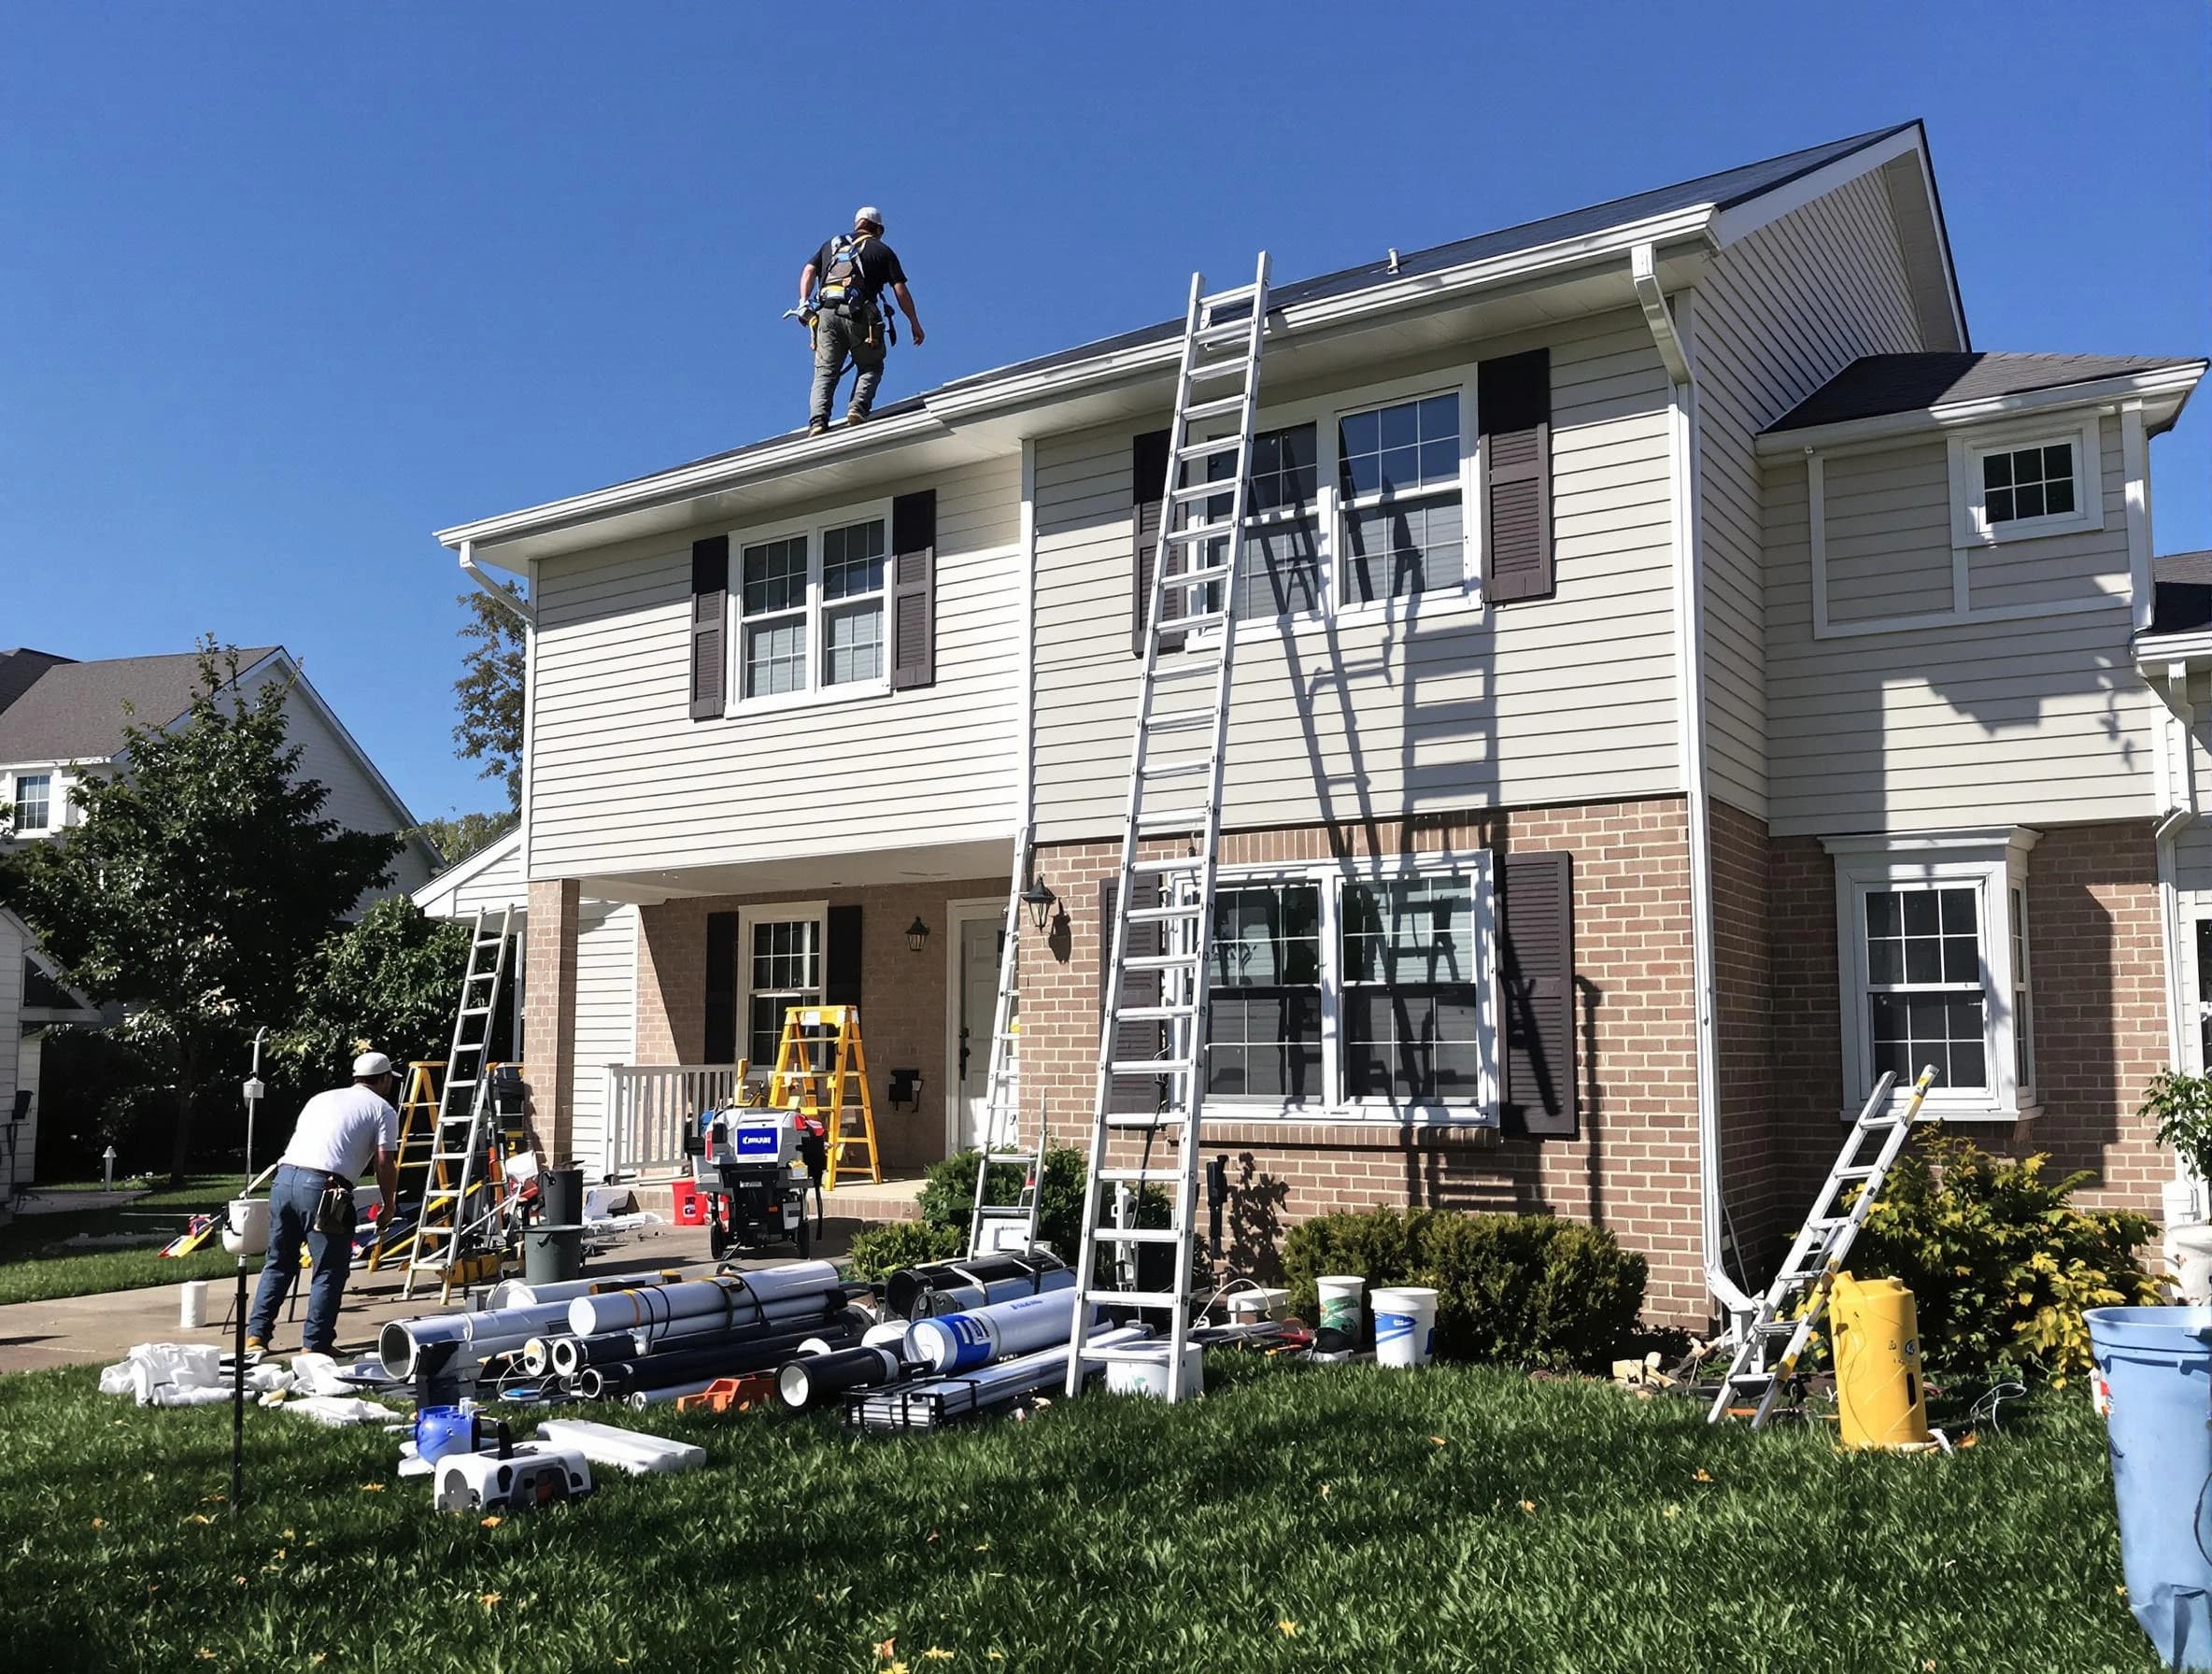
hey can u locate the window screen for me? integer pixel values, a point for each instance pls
(1412, 991)
(1263, 1038)
(1925, 1002)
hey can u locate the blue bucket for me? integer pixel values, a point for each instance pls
(2154, 1386)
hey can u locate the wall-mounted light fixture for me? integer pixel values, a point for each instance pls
(1039, 899)
(918, 934)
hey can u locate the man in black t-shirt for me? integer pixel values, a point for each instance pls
(853, 271)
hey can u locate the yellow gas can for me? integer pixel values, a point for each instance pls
(1877, 1363)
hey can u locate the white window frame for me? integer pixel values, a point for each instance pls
(1969, 521)
(814, 693)
(1993, 862)
(1342, 508)
(782, 911)
(1332, 1107)
(56, 799)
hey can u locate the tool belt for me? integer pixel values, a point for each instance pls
(334, 1209)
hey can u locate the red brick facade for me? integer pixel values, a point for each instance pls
(550, 1011)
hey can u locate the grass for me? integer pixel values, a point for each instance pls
(1344, 1519)
(37, 1265)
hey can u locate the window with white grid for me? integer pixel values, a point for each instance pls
(783, 969)
(1401, 518)
(773, 596)
(810, 606)
(34, 802)
(853, 603)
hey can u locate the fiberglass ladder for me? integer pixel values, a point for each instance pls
(1795, 1303)
(459, 1141)
(1002, 1092)
(1164, 898)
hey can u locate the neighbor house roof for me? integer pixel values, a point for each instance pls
(2181, 595)
(1873, 385)
(75, 710)
(20, 668)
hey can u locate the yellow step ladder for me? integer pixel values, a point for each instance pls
(821, 1073)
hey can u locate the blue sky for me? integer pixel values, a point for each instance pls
(285, 289)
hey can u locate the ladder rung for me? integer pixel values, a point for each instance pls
(1182, 721)
(1215, 449)
(474, 1010)
(1183, 668)
(1188, 492)
(1216, 529)
(1169, 822)
(1153, 1119)
(1143, 1176)
(1158, 961)
(1158, 866)
(1866, 1171)
(1776, 1328)
(1134, 1298)
(1138, 1235)
(1222, 299)
(1155, 1013)
(1181, 909)
(1215, 409)
(1195, 621)
(1239, 367)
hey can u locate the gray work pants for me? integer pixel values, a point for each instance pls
(838, 335)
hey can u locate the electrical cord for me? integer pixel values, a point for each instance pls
(1985, 1409)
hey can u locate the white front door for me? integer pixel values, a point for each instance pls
(978, 990)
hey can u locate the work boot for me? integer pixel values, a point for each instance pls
(817, 427)
(855, 415)
(255, 1349)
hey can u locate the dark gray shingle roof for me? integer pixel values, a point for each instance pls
(74, 711)
(2182, 592)
(20, 668)
(1874, 385)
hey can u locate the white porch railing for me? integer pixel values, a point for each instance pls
(651, 1107)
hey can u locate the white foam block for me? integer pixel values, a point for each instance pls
(631, 1451)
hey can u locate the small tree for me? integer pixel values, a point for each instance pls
(459, 838)
(2181, 1105)
(490, 690)
(199, 882)
(389, 980)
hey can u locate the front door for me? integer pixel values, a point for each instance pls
(979, 997)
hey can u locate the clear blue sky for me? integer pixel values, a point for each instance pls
(283, 288)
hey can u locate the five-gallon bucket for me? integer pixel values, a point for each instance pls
(2154, 1385)
(1405, 1325)
(1339, 1302)
(246, 1227)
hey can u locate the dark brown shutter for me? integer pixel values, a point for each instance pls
(1126, 1095)
(720, 1044)
(841, 956)
(913, 590)
(1538, 941)
(1148, 488)
(710, 632)
(1513, 395)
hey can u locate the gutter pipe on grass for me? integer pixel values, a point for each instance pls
(1690, 715)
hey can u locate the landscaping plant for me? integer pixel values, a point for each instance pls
(880, 1250)
(2181, 1105)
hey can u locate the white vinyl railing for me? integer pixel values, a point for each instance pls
(651, 1107)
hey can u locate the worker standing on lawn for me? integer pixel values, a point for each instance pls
(339, 1135)
(847, 313)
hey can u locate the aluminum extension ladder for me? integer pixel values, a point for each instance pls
(1029, 1202)
(1002, 1091)
(1165, 897)
(1797, 1300)
(459, 1141)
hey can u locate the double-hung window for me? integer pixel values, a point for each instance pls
(1402, 519)
(811, 610)
(1413, 1011)
(34, 802)
(1934, 945)
(1281, 573)
(781, 966)
(1264, 994)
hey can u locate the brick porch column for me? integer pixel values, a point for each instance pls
(549, 1025)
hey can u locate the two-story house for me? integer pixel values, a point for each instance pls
(1677, 679)
(61, 722)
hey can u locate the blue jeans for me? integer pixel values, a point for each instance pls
(293, 1200)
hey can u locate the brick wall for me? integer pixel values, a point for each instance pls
(1633, 1165)
(2099, 1012)
(1743, 1033)
(549, 1016)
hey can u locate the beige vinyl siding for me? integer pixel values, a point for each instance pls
(606, 1012)
(2062, 569)
(498, 884)
(1887, 519)
(1776, 315)
(356, 801)
(2032, 721)
(11, 1034)
(623, 780)
(1430, 705)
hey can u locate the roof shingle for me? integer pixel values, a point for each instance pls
(1875, 385)
(74, 711)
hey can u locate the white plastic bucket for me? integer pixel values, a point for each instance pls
(1339, 1302)
(191, 1304)
(1144, 1372)
(1250, 1307)
(1405, 1325)
(246, 1227)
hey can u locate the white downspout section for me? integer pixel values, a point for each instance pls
(1025, 796)
(1689, 603)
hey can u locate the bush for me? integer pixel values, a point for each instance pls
(948, 1198)
(1521, 1289)
(1999, 1264)
(878, 1252)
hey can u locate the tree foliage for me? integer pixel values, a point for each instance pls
(490, 690)
(457, 839)
(199, 882)
(387, 981)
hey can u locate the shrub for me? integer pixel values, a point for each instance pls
(1999, 1264)
(949, 1197)
(878, 1252)
(1523, 1289)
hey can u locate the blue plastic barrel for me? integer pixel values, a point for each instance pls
(2154, 1385)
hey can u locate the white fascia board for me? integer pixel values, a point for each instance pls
(2156, 655)
(1740, 220)
(2162, 393)
(465, 872)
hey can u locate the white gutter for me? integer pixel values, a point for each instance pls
(1689, 603)
(523, 608)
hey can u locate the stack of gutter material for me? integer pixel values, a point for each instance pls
(967, 1281)
(929, 1403)
(948, 1366)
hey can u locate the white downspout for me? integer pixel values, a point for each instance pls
(1689, 718)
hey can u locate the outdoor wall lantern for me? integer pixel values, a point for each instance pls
(1039, 899)
(918, 934)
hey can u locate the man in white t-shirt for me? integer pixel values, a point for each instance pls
(339, 1135)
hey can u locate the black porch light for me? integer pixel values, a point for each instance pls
(918, 934)
(1039, 899)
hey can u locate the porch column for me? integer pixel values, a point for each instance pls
(549, 1025)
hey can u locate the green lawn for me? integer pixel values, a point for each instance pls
(1350, 1519)
(36, 1266)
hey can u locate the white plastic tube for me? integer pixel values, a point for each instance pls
(963, 1341)
(520, 1293)
(740, 1299)
(955, 1395)
(492, 1332)
(639, 1399)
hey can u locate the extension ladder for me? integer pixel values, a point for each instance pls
(821, 1073)
(1002, 1091)
(1155, 946)
(1028, 1202)
(460, 1189)
(1795, 1302)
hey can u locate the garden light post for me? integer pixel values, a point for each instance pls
(108, 1170)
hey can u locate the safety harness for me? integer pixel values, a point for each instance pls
(844, 289)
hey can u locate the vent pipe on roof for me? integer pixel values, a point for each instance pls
(1394, 258)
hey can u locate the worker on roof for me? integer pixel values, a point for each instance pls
(339, 1135)
(849, 316)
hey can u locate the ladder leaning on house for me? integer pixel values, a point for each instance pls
(1795, 1303)
(1001, 1141)
(1156, 942)
(460, 1188)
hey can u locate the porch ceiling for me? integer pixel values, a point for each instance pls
(945, 862)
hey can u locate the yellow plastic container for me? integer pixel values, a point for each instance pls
(1877, 1363)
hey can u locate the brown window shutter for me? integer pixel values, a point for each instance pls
(721, 1042)
(1148, 489)
(1539, 942)
(841, 956)
(913, 590)
(1126, 1095)
(1513, 397)
(710, 628)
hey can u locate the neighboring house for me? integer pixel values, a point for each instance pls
(1679, 679)
(61, 722)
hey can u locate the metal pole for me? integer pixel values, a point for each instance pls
(254, 1090)
(238, 1389)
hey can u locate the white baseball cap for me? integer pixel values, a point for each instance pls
(370, 1064)
(871, 214)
